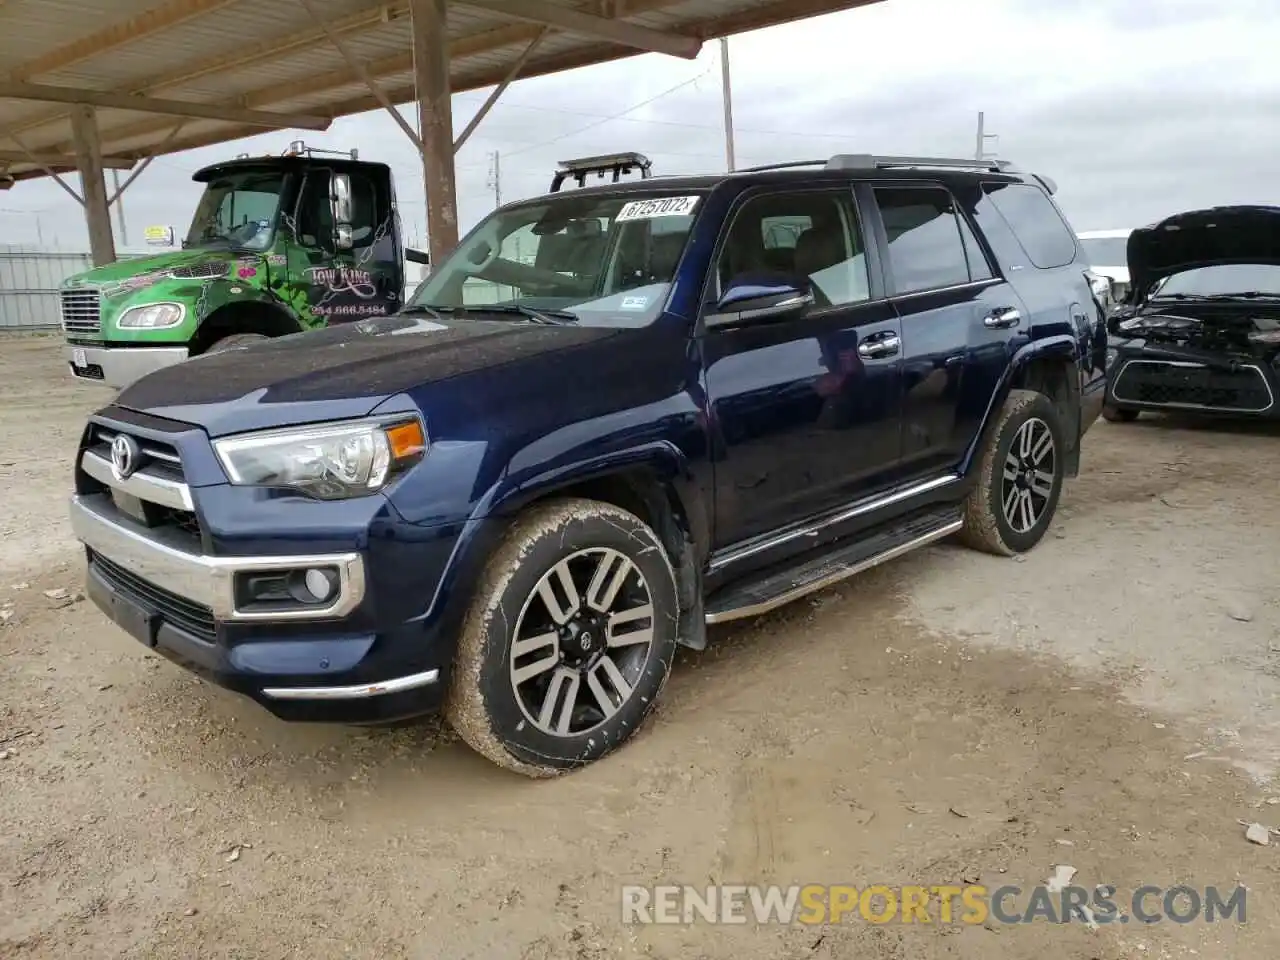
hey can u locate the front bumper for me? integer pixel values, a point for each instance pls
(1163, 378)
(119, 366)
(300, 665)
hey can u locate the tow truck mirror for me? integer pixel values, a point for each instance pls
(340, 207)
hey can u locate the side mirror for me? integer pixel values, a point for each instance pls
(340, 208)
(752, 298)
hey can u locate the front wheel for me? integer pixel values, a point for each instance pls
(568, 640)
(1019, 477)
(1118, 414)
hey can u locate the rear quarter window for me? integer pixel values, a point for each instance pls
(1035, 222)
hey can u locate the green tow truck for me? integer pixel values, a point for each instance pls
(278, 244)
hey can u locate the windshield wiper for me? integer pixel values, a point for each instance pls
(411, 308)
(553, 317)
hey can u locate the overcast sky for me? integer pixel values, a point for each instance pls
(1137, 108)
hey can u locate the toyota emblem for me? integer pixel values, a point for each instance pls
(124, 456)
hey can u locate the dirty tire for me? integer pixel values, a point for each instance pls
(483, 704)
(985, 526)
(234, 340)
(1118, 415)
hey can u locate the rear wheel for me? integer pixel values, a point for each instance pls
(568, 641)
(1118, 414)
(1019, 477)
(234, 340)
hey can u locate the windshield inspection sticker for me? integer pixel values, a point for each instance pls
(664, 207)
(634, 303)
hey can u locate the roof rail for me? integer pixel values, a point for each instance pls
(867, 161)
(617, 163)
(781, 166)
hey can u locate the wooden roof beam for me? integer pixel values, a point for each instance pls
(173, 108)
(589, 25)
(62, 160)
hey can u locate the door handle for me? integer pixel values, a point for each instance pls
(877, 347)
(1002, 318)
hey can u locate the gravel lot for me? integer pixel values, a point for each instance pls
(1109, 701)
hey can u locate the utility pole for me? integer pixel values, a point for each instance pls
(495, 180)
(124, 231)
(980, 151)
(727, 95)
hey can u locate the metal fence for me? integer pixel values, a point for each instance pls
(29, 280)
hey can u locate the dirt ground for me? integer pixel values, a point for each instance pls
(1108, 702)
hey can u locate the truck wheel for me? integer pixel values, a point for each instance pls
(233, 340)
(568, 641)
(1117, 415)
(1019, 477)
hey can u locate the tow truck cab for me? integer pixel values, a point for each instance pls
(277, 245)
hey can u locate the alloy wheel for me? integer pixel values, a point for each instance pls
(1030, 467)
(581, 642)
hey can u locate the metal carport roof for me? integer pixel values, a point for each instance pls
(159, 76)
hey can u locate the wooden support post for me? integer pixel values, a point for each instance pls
(435, 123)
(84, 130)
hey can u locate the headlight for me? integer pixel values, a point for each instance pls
(152, 315)
(328, 462)
(1112, 353)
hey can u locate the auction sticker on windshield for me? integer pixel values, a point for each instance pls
(663, 207)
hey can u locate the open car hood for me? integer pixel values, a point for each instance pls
(1202, 238)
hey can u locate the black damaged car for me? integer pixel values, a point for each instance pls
(1200, 330)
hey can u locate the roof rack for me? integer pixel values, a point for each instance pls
(617, 163)
(866, 161)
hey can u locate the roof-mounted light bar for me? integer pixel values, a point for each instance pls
(617, 163)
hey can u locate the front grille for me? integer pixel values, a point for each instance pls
(81, 310)
(187, 615)
(1161, 384)
(158, 458)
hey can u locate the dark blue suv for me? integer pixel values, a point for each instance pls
(612, 416)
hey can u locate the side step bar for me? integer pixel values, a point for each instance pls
(775, 588)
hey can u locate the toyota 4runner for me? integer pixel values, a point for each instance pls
(613, 416)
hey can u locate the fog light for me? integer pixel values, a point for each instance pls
(320, 583)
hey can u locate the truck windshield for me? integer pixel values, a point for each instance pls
(239, 209)
(594, 260)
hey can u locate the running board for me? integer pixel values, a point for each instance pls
(776, 588)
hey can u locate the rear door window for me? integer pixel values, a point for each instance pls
(926, 248)
(1045, 237)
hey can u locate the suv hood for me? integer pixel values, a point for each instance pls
(346, 370)
(1201, 238)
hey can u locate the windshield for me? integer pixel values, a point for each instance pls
(239, 209)
(594, 260)
(1106, 251)
(1222, 280)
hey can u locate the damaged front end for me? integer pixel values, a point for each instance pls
(1201, 331)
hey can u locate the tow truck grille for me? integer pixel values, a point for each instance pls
(1191, 385)
(81, 310)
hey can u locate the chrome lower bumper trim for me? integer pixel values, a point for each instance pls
(167, 562)
(358, 692)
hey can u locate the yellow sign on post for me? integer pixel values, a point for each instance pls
(159, 236)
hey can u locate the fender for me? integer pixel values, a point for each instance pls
(1060, 347)
(223, 294)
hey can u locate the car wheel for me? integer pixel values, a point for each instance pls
(1118, 415)
(1019, 477)
(568, 640)
(234, 340)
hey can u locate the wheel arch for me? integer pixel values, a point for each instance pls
(653, 482)
(260, 316)
(1048, 366)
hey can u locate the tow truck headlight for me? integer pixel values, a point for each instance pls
(328, 462)
(152, 316)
